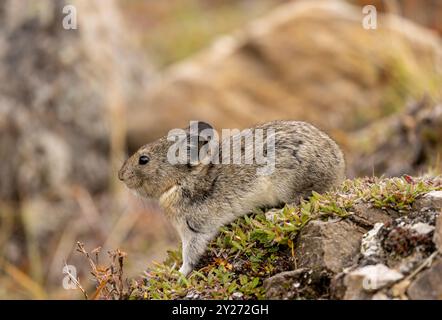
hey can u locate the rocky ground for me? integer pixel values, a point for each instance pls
(407, 143)
(370, 239)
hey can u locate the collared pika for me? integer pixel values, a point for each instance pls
(201, 196)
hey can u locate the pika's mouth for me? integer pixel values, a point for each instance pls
(133, 182)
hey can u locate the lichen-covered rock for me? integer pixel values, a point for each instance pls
(389, 252)
(401, 244)
(422, 228)
(362, 282)
(428, 284)
(400, 240)
(371, 248)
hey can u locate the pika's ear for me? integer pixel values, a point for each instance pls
(199, 133)
(196, 127)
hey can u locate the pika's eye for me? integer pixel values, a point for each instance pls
(143, 160)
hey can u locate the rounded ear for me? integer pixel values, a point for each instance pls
(203, 126)
(197, 126)
(199, 134)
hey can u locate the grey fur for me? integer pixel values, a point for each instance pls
(200, 199)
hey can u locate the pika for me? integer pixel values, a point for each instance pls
(199, 196)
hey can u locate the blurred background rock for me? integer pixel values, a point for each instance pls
(74, 102)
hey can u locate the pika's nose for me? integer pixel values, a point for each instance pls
(121, 172)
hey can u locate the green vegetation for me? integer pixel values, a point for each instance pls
(258, 246)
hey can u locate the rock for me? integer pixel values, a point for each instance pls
(437, 238)
(367, 215)
(299, 283)
(330, 245)
(432, 199)
(273, 214)
(428, 13)
(353, 289)
(267, 71)
(62, 99)
(282, 285)
(408, 264)
(375, 277)
(422, 228)
(401, 239)
(337, 286)
(192, 295)
(237, 296)
(428, 284)
(60, 91)
(398, 290)
(363, 281)
(380, 296)
(371, 247)
(394, 146)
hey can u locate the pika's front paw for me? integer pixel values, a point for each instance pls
(185, 269)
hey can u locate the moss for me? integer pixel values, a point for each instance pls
(254, 247)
